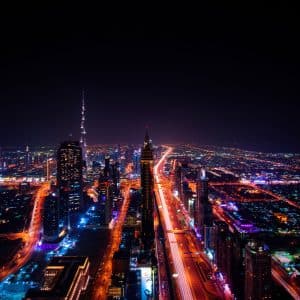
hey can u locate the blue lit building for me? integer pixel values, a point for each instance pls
(51, 218)
(105, 201)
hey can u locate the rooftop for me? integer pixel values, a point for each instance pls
(59, 276)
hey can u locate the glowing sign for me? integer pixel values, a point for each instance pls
(146, 282)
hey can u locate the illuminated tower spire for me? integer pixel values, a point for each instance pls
(82, 130)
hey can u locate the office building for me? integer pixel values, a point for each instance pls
(105, 200)
(115, 176)
(136, 161)
(107, 167)
(51, 218)
(223, 249)
(69, 178)
(83, 143)
(147, 232)
(257, 271)
(179, 180)
(203, 210)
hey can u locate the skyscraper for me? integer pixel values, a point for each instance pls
(115, 176)
(136, 160)
(239, 242)
(147, 193)
(69, 177)
(179, 180)
(203, 210)
(83, 143)
(223, 249)
(27, 161)
(51, 218)
(105, 199)
(107, 167)
(257, 271)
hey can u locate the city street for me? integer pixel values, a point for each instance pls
(192, 273)
(31, 237)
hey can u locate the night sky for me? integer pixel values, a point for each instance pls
(211, 75)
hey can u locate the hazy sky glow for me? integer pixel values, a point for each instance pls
(226, 76)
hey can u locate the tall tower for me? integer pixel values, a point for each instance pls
(69, 178)
(83, 143)
(199, 209)
(107, 167)
(105, 199)
(51, 218)
(258, 271)
(147, 193)
(223, 249)
(27, 160)
(203, 211)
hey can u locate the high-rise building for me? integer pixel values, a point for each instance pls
(83, 143)
(198, 218)
(27, 161)
(223, 249)
(69, 177)
(51, 218)
(107, 167)
(115, 176)
(239, 241)
(136, 161)
(186, 192)
(203, 209)
(147, 232)
(109, 189)
(105, 200)
(257, 271)
(179, 180)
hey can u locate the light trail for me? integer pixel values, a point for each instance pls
(102, 281)
(183, 284)
(24, 254)
(13, 236)
(286, 285)
(197, 267)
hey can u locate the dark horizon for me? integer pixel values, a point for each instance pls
(227, 77)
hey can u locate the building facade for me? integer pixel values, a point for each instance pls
(69, 178)
(147, 185)
(51, 218)
(258, 277)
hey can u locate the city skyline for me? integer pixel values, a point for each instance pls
(208, 238)
(149, 155)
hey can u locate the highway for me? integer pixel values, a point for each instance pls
(15, 235)
(165, 290)
(283, 279)
(182, 281)
(193, 273)
(31, 237)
